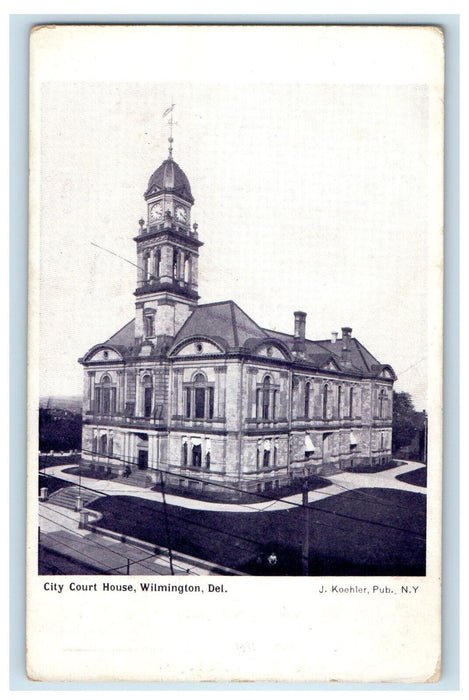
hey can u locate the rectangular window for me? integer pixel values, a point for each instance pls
(184, 454)
(106, 401)
(199, 402)
(266, 459)
(113, 399)
(339, 402)
(97, 400)
(147, 401)
(196, 455)
(258, 403)
(211, 401)
(188, 403)
(274, 405)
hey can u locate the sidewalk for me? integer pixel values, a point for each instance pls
(60, 533)
(340, 482)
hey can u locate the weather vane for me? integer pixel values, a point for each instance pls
(171, 123)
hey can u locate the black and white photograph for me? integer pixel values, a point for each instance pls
(235, 324)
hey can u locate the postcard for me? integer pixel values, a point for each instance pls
(235, 353)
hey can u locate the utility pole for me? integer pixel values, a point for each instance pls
(166, 524)
(305, 548)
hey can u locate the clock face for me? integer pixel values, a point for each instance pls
(181, 214)
(156, 211)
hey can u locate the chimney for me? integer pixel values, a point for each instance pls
(300, 330)
(334, 336)
(346, 349)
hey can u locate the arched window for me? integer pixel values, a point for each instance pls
(175, 263)
(266, 398)
(325, 399)
(147, 395)
(200, 398)
(184, 451)
(199, 391)
(106, 397)
(307, 398)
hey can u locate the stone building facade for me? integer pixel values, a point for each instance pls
(214, 401)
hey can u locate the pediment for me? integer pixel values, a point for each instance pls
(198, 347)
(103, 353)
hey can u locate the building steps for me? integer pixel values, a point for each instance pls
(143, 478)
(67, 497)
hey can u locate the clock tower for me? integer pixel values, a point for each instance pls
(167, 258)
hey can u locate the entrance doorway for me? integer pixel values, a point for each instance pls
(143, 459)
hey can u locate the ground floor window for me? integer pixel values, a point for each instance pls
(196, 455)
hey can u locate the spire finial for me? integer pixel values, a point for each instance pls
(170, 122)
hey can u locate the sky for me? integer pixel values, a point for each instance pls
(314, 195)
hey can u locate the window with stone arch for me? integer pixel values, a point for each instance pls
(200, 398)
(266, 398)
(175, 263)
(307, 399)
(105, 396)
(147, 385)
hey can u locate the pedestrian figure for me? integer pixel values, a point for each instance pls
(127, 472)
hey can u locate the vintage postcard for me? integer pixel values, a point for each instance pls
(235, 353)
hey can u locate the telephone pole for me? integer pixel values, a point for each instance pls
(305, 548)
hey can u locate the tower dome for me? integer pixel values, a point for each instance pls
(169, 177)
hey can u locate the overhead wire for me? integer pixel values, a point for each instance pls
(269, 497)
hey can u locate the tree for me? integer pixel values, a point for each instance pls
(404, 420)
(59, 430)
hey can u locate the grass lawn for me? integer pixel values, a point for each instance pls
(377, 532)
(52, 483)
(373, 469)
(417, 478)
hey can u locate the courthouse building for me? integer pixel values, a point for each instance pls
(204, 393)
